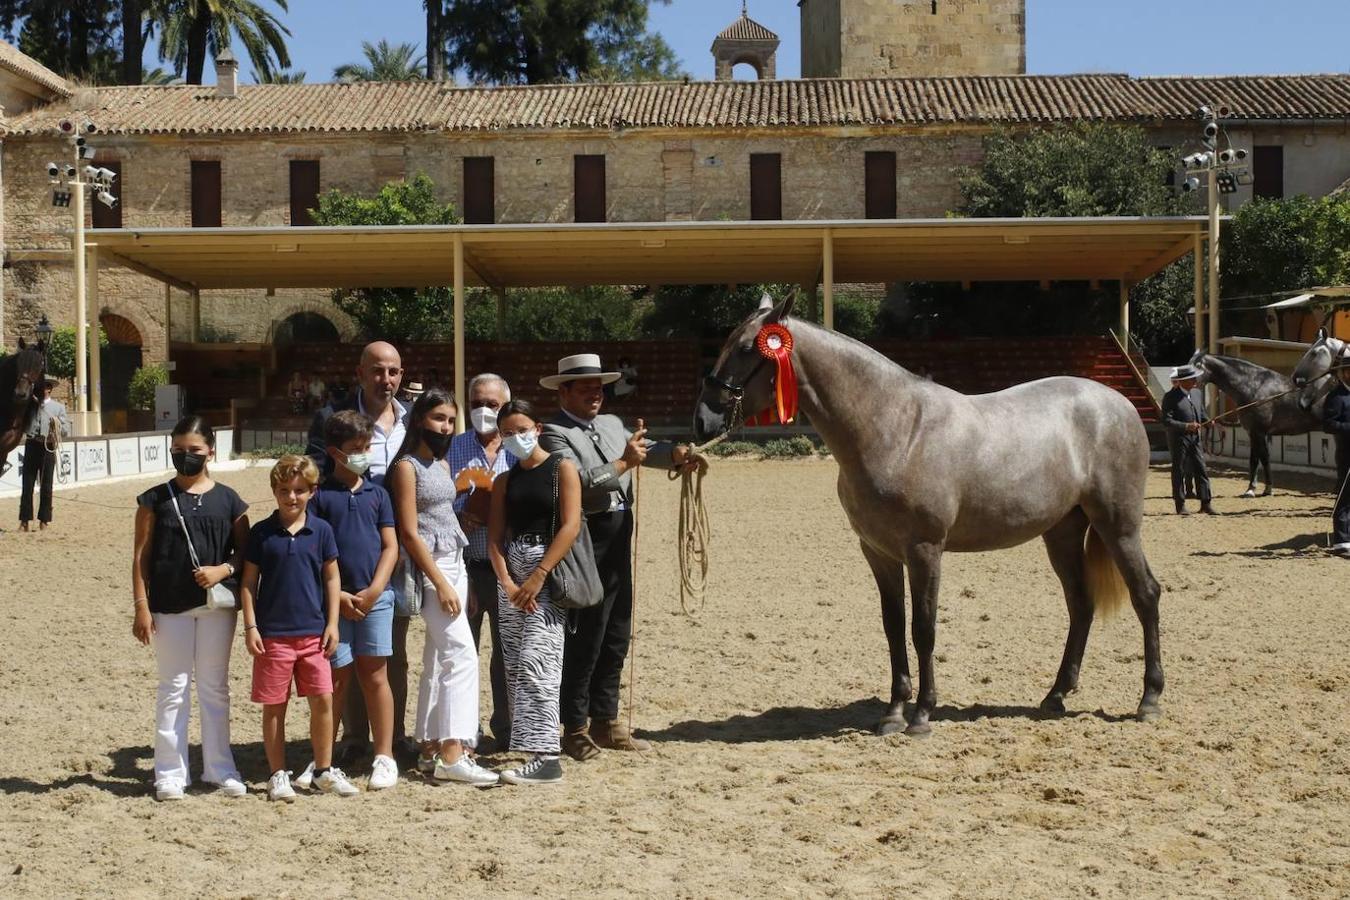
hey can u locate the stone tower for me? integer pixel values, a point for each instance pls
(746, 41)
(880, 38)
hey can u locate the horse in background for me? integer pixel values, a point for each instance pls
(21, 382)
(1324, 357)
(924, 470)
(1246, 383)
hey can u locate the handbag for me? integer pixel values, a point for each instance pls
(220, 595)
(406, 583)
(574, 582)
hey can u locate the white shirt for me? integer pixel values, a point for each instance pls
(384, 445)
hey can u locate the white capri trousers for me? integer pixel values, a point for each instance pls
(194, 644)
(447, 697)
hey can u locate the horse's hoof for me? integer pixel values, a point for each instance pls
(1053, 704)
(1268, 492)
(1149, 713)
(1249, 492)
(919, 729)
(890, 726)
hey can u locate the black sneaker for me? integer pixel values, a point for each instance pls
(539, 770)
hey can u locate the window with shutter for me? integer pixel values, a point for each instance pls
(205, 193)
(766, 186)
(1268, 172)
(479, 190)
(879, 184)
(304, 190)
(588, 185)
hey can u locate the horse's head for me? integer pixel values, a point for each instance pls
(1198, 361)
(742, 380)
(1311, 374)
(30, 364)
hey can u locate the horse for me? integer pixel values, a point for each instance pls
(21, 382)
(1314, 371)
(924, 470)
(1247, 383)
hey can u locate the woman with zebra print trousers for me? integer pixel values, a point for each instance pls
(524, 547)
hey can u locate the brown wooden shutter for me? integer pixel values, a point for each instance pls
(479, 191)
(766, 186)
(102, 216)
(1268, 172)
(588, 181)
(205, 193)
(304, 190)
(880, 184)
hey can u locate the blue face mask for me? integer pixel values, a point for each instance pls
(521, 445)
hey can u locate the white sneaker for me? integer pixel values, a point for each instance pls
(168, 790)
(306, 778)
(231, 787)
(335, 782)
(1343, 549)
(279, 787)
(466, 771)
(383, 773)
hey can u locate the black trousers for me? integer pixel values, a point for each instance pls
(483, 588)
(1188, 461)
(1340, 516)
(597, 644)
(38, 462)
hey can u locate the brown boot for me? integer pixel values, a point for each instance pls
(614, 735)
(577, 744)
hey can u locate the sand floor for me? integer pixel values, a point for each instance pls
(766, 779)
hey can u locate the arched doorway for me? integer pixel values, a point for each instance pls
(307, 327)
(119, 360)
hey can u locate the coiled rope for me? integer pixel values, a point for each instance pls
(695, 532)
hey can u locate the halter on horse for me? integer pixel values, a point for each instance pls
(924, 470)
(21, 382)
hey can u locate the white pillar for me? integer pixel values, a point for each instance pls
(461, 400)
(1198, 289)
(81, 312)
(95, 418)
(827, 267)
(1214, 304)
(168, 326)
(1125, 314)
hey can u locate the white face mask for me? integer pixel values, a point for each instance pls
(521, 445)
(356, 463)
(484, 420)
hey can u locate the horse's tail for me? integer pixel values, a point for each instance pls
(1106, 586)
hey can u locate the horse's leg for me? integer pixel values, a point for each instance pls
(890, 578)
(925, 569)
(1123, 543)
(1253, 460)
(1064, 544)
(1265, 465)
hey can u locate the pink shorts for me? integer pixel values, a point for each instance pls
(285, 658)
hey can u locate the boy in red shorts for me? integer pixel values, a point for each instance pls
(291, 623)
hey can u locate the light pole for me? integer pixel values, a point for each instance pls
(69, 183)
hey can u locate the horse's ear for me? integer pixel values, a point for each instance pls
(784, 309)
(1321, 333)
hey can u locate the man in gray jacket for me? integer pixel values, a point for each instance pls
(605, 454)
(49, 427)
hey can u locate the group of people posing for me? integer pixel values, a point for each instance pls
(390, 515)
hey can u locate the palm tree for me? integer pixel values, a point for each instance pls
(384, 62)
(157, 76)
(133, 41)
(193, 28)
(297, 77)
(435, 39)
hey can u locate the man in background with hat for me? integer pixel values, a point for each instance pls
(605, 454)
(45, 433)
(1183, 419)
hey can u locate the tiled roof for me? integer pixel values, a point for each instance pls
(746, 29)
(21, 64)
(430, 106)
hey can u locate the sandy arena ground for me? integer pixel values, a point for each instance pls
(765, 780)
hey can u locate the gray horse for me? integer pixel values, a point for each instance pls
(924, 469)
(1246, 382)
(1312, 372)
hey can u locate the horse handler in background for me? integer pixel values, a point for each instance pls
(49, 427)
(1184, 420)
(605, 454)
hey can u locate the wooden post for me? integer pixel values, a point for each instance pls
(1198, 289)
(460, 399)
(1125, 314)
(195, 322)
(827, 269)
(94, 421)
(1214, 304)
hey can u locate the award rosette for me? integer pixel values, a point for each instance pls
(774, 343)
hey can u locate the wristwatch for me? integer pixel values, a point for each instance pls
(230, 566)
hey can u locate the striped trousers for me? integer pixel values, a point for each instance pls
(532, 645)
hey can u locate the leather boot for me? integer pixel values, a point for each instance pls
(614, 735)
(1209, 510)
(577, 744)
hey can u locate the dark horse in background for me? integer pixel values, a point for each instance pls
(1245, 382)
(924, 470)
(21, 380)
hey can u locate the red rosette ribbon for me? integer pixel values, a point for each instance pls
(774, 342)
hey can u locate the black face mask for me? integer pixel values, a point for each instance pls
(438, 443)
(189, 464)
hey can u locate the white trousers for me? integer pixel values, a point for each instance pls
(447, 697)
(195, 644)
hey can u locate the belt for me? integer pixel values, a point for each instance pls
(539, 540)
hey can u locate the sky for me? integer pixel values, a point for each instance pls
(1139, 37)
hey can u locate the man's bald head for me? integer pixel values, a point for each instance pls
(380, 372)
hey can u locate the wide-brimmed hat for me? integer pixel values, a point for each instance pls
(413, 389)
(573, 368)
(1182, 373)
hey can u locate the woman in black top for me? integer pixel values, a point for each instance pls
(170, 599)
(529, 531)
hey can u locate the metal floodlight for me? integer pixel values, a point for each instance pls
(1197, 161)
(88, 127)
(1227, 183)
(93, 173)
(1211, 134)
(53, 170)
(1190, 184)
(67, 126)
(70, 171)
(1204, 112)
(107, 199)
(86, 152)
(61, 197)
(1245, 178)
(107, 175)
(1240, 154)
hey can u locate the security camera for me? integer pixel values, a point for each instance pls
(107, 199)
(1211, 130)
(1240, 154)
(88, 127)
(53, 170)
(1196, 161)
(1223, 112)
(107, 174)
(93, 173)
(67, 126)
(70, 171)
(1190, 184)
(1227, 157)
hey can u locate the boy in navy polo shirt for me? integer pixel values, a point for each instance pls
(362, 517)
(290, 623)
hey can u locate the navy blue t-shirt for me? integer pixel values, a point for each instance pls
(290, 592)
(356, 517)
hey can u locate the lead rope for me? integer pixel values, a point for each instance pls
(694, 530)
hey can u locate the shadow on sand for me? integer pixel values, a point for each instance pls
(1302, 544)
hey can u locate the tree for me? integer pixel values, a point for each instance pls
(1277, 246)
(705, 310)
(159, 76)
(133, 41)
(646, 58)
(384, 62)
(534, 42)
(192, 29)
(61, 353)
(275, 77)
(436, 40)
(74, 38)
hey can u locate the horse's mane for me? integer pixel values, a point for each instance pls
(1247, 366)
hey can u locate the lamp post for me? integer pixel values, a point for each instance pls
(69, 184)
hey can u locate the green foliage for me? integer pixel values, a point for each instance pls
(705, 310)
(534, 42)
(644, 58)
(595, 313)
(279, 77)
(735, 448)
(393, 313)
(1274, 246)
(61, 353)
(141, 388)
(191, 31)
(857, 315)
(794, 447)
(384, 62)
(75, 38)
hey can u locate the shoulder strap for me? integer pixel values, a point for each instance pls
(192, 551)
(557, 466)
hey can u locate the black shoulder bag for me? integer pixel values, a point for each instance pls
(574, 582)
